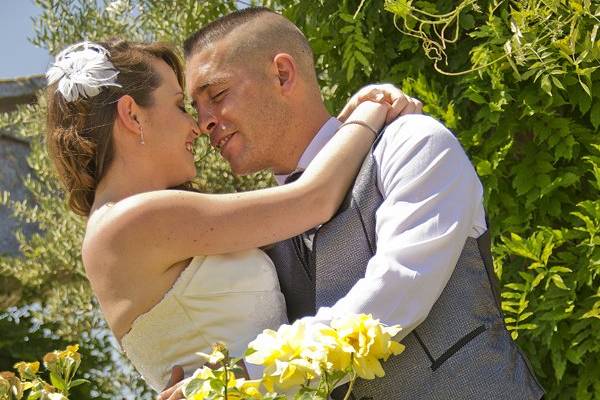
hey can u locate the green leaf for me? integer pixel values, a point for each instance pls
(538, 279)
(362, 59)
(192, 387)
(586, 88)
(350, 69)
(401, 8)
(595, 114)
(57, 381)
(78, 382)
(484, 167)
(547, 252)
(559, 363)
(558, 281)
(347, 29)
(34, 395)
(557, 83)
(524, 316)
(467, 22)
(347, 18)
(528, 327)
(560, 269)
(546, 85)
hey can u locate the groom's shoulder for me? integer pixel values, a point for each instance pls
(416, 130)
(418, 125)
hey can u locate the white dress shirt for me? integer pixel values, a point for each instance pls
(432, 203)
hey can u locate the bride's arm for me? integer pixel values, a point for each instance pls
(168, 226)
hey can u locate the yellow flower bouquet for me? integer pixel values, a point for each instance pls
(61, 366)
(300, 361)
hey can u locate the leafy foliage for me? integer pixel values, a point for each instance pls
(519, 84)
(517, 81)
(46, 298)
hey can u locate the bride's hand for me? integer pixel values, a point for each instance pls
(401, 104)
(174, 389)
(370, 113)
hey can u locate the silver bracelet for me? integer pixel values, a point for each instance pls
(361, 123)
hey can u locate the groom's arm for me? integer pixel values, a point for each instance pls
(432, 203)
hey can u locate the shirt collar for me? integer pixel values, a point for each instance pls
(321, 138)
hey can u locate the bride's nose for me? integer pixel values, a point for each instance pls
(195, 128)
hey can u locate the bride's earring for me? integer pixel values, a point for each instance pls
(142, 136)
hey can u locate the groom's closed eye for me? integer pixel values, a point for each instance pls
(219, 96)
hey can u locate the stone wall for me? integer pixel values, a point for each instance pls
(13, 156)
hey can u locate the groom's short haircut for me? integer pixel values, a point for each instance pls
(264, 33)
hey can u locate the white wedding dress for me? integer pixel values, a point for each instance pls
(227, 298)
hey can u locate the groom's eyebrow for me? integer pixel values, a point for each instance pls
(204, 86)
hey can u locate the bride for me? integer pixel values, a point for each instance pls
(175, 271)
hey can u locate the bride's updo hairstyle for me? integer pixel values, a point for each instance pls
(83, 91)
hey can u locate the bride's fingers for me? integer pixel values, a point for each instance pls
(348, 108)
(174, 392)
(368, 93)
(176, 375)
(177, 395)
(418, 106)
(383, 93)
(396, 109)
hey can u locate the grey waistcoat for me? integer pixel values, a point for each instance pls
(461, 351)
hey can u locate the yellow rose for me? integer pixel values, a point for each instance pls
(27, 370)
(289, 355)
(370, 341)
(282, 345)
(213, 358)
(70, 352)
(7, 375)
(295, 372)
(10, 385)
(50, 359)
(248, 388)
(333, 353)
(201, 377)
(203, 373)
(4, 387)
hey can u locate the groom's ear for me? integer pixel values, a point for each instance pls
(286, 70)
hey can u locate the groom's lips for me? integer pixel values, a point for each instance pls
(220, 141)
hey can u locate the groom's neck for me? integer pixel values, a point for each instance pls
(310, 120)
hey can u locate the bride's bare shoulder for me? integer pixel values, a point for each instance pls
(104, 239)
(129, 231)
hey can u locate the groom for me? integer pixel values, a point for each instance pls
(410, 243)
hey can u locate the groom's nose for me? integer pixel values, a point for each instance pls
(207, 121)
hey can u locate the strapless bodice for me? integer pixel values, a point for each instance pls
(226, 298)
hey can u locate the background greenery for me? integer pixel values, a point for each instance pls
(518, 83)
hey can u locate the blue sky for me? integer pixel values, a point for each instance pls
(18, 56)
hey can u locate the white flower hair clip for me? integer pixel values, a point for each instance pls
(82, 70)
